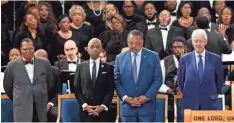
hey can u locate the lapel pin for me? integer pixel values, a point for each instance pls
(145, 57)
(102, 65)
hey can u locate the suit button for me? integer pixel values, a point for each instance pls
(92, 97)
(136, 88)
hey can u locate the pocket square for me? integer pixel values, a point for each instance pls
(104, 72)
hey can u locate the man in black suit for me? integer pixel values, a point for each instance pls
(159, 38)
(212, 26)
(94, 85)
(151, 19)
(72, 59)
(216, 43)
(171, 5)
(52, 108)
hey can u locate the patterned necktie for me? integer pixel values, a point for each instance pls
(200, 67)
(94, 73)
(134, 68)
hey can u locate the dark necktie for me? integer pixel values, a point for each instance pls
(200, 67)
(28, 62)
(151, 23)
(71, 62)
(163, 28)
(94, 73)
(134, 68)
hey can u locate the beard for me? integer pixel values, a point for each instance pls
(152, 18)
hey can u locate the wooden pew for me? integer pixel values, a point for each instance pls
(208, 116)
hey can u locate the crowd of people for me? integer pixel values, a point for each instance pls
(137, 48)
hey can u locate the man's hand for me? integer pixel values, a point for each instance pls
(98, 108)
(142, 99)
(169, 91)
(132, 102)
(178, 92)
(49, 106)
(89, 108)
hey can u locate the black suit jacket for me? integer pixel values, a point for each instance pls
(216, 44)
(56, 86)
(154, 40)
(101, 92)
(142, 26)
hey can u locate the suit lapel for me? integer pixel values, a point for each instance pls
(207, 65)
(23, 68)
(158, 36)
(195, 64)
(169, 37)
(36, 69)
(87, 72)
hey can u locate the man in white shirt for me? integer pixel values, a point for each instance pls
(94, 85)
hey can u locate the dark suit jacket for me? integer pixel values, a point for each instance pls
(154, 40)
(56, 87)
(200, 94)
(101, 92)
(216, 44)
(190, 30)
(142, 26)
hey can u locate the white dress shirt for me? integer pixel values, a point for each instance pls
(138, 62)
(164, 88)
(164, 35)
(97, 62)
(151, 26)
(203, 58)
(71, 66)
(30, 70)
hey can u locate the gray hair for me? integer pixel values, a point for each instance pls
(95, 39)
(136, 33)
(199, 32)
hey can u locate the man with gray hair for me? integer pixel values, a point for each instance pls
(138, 78)
(198, 71)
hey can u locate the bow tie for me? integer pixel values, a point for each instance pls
(28, 62)
(153, 23)
(173, 14)
(73, 62)
(163, 28)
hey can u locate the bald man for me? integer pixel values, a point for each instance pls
(54, 92)
(159, 38)
(72, 59)
(94, 85)
(14, 54)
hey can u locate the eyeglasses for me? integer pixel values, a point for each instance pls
(164, 15)
(136, 43)
(128, 7)
(27, 49)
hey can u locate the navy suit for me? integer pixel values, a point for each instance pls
(148, 83)
(200, 94)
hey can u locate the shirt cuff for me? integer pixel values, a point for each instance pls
(52, 104)
(84, 105)
(105, 108)
(124, 97)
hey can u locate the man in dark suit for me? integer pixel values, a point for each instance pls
(72, 59)
(94, 85)
(138, 78)
(54, 91)
(200, 75)
(213, 27)
(27, 82)
(216, 43)
(171, 5)
(151, 19)
(159, 38)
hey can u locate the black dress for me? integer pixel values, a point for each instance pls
(113, 43)
(39, 41)
(85, 33)
(96, 21)
(185, 29)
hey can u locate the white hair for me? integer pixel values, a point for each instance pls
(199, 32)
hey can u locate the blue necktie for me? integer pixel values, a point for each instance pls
(134, 68)
(200, 67)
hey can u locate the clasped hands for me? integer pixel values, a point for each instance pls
(94, 110)
(137, 101)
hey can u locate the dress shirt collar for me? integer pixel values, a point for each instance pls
(168, 27)
(97, 61)
(25, 59)
(155, 20)
(202, 54)
(138, 53)
(75, 60)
